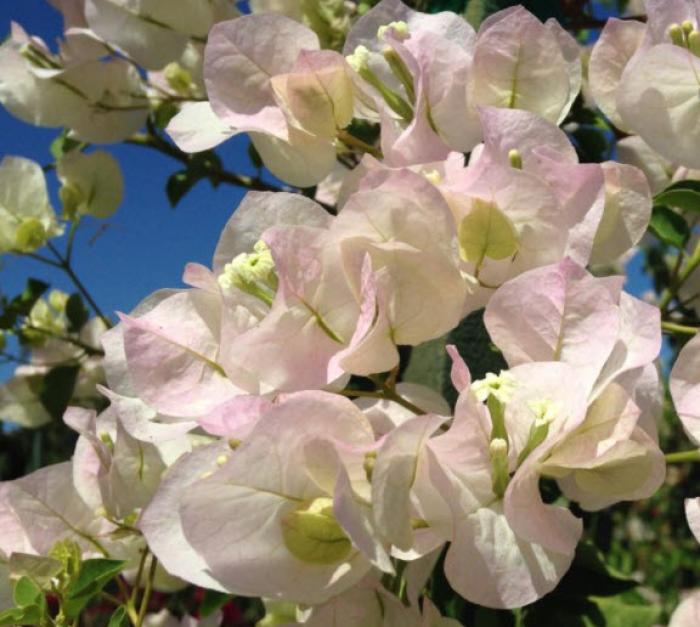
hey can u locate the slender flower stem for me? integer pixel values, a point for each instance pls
(385, 394)
(683, 457)
(65, 265)
(147, 591)
(89, 350)
(679, 277)
(217, 174)
(356, 143)
(672, 327)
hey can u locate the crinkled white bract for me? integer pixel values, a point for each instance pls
(27, 219)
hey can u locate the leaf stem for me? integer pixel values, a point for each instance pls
(147, 591)
(683, 457)
(356, 143)
(65, 265)
(672, 327)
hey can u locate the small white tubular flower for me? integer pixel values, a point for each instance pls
(359, 59)
(501, 386)
(399, 30)
(27, 219)
(253, 273)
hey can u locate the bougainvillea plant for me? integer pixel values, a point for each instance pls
(413, 386)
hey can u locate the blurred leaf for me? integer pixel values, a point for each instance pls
(165, 112)
(591, 144)
(669, 226)
(38, 568)
(31, 615)
(22, 304)
(64, 144)
(201, 165)
(27, 593)
(589, 575)
(478, 10)
(76, 312)
(430, 365)
(619, 613)
(178, 185)
(57, 389)
(684, 195)
(119, 618)
(212, 601)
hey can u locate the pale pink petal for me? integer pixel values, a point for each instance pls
(554, 313)
(241, 57)
(626, 215)
(619, 41)
(685, 388)
(196, 128)
(161, 526)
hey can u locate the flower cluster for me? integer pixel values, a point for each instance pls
(259, 439)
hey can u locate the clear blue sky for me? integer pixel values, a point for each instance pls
(146, 244)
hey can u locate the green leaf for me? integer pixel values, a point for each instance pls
(178, 185)
(165, 112)
(212, 601)
(57, 389)
(76, 313)
(36, 567)
(94, 574)
(430, 365)
(669, 226)
(22, 304)
(684, 195)
(119, 618)
(589, 575)
(27, 593)
(31, 615)
(64, 144)
(620, 613)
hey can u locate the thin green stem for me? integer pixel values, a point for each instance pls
(672, 327)
(219, 175)
(388, 395)
(147, 591)
(682, 457)
(42, 259)
(679, 277)
(68, 269)
(90, 350)
(356, 143)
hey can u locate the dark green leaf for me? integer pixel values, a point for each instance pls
(119, 618)
(684, 199)
(669, 226)
(212, 601)
(589, 575)
(690, 185)
(430, 365)
(620, 613)
(31, 615)
(178, 185)
(93, 576)
(57, 389)
(76, 312)
(22, 304)
(165, 112)
(27, 593)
